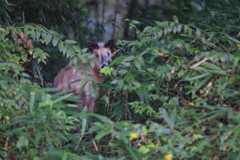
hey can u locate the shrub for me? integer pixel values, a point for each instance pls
(173, 93)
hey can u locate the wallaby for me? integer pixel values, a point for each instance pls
(63, 81)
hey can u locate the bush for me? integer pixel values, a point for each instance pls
(173, 92)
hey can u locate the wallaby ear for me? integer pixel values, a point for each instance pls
(109, 44)
(92, 46)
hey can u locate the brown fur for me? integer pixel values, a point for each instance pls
(67, 75)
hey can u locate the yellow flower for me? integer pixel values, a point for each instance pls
(133, 135)
(168, 157)
(201, 91)
(191, 104)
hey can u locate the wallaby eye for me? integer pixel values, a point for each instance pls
(97, 55)
(108, 54)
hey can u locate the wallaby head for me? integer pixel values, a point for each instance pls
(102, 52)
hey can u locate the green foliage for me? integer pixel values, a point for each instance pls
(172, 91)
(183, 80)
(57, 14)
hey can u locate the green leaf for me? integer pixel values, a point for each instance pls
(175, 19)
(22, 141)
(48, 38)
(172, 24)
(29, 26)
(77, 48)
(55, 41)
(147, 29)
(159, 34)
(166, 117)
(138, 64)
(32, 100)
(130, 150)
(126, 64)
(70, 53)
(41, 29)
(92, 65)
(84, 50)
(162, 24)
(32, 33)
(165, 31)
(222, 73)
(200, 69)
(102, 133)
(115, 81)
(150, 70)
(129, 58)
(122, 71)
(173, 117)
(234, 40)
(118, 112)
(199, 76)
(62, 98)
(233, 26)
(84, 125)
(102, 85)
(189, 31)
(137, 84)
(53, 32)
(204, 81)
(135, 22)
(60, 46)
(38, 34)
(198, 32)
(179, 28)
(174, 101)
(36, 158)
(64, 49)
(101, 118)
(106, 99)
(175, 30)
(117, 60)
(70, 42)
(197, 136)
(211, 66)
(106, 71)
(26, 31)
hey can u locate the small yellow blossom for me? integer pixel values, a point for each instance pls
(201, 91)
(133, 135)
(191, 104)
(7, 118)
(238, 45)
(168, 157)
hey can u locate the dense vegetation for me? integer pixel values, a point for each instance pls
(172, 90)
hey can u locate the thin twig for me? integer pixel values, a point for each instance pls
(103, 9)
(113, 54)
(95, 145)
(199, 63)
(115, 18)
(6, 145)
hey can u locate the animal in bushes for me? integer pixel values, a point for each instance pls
(66, 77)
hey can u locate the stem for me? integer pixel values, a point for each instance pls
(115, 18)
